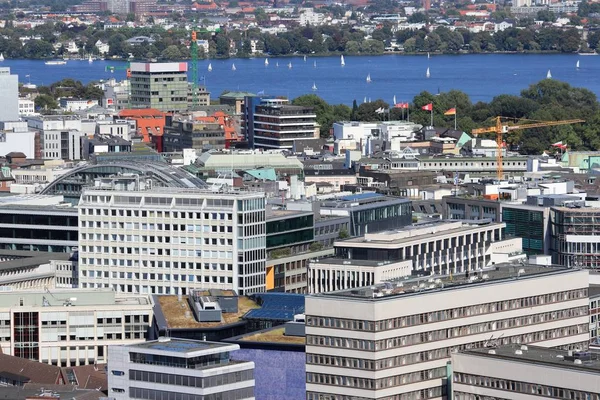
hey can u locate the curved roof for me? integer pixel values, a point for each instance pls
(71, 183)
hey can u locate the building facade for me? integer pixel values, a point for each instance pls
(525, 372)
(179, 369)
(71, 327)
(394, 340)
(9, 95)
(168, 241)
(162, 86)
(278, 126)
(575, 234)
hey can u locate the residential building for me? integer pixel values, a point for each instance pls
(60, 135)
(26, 107)
(162, 86)
(102, 144)
(524, 371)
(575, 236)
(38, 223)
(395, 339)
(122, 128)
(9, 95)
(150, 124)
(116, 94)
(175, 368)
(26, 270)
(71, 104)
(68, 327)
(187, 133)
(136, 239)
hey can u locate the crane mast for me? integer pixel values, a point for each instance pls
(194, 57)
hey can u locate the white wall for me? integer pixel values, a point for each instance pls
(23, 142)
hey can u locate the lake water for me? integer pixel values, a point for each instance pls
(481, 76)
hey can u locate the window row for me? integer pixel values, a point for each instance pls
(448, 314)
(154, 214)
(422, 394)
(153, 264)
(151, 394)
(156, 227)
(440, 353)
(151, 239)
(524, 387)
(184, 380)
(370, 384)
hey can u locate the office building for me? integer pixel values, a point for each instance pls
(27, 270)
(9, 95)
(162, 86)
(529, 222)
(71, 327)
(170, 368)
(38, 223)
(212, 164)
(26, 107)
(594, 295)
(394, 340)
(136, 239)
(186, 132)
(15, 136)
(575, 235)
(525, 372)
(60, 135)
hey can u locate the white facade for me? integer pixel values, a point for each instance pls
(525, 372)
(178, 369)
(395, 340)
(71, 327)
(23, 142)
(173, 240)
(65, 145)
(26, 107)
(357, 131)
(9, 95)
(77, 104)
(122, 128)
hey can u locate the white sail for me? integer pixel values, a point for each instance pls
(428, 56)
(395, 102)
(315, 64)
(277, 64)
(549, 75)
(304, 58)
(90, 60)
(427, 74)
(233, 68)
(314, 86)
(1, 56)
(266, 62)
(365, 100)
(369, 78)
(577, 65)
(342, 62)
(209, 67)
(290, 65)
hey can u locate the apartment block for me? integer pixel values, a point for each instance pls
(162, 86)
(394, 340)
(170, 240)
(179, 369)
(525, 372)
(71, 327)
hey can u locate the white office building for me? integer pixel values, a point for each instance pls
(171, 240)
(26, 107)
(60, 135)
(71, 327)
(177, 369)
(525, 372)
(15, 136)
(394, 340)
(9, 95)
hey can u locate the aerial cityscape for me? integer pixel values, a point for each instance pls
(299, 200)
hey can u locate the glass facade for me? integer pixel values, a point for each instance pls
(379, 217)
(527, 224)
(290, 231)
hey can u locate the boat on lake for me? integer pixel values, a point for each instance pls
(549, 75)
(290, 65)
(1, 56)
(233, 68)
(577, 65)
(342, 62)
(314, 86)
(55, 62)
(209, 67)
(266, 62)
(369, 78)
(427, 74)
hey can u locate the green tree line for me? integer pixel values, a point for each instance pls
(547, 100)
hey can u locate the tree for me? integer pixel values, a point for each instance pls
(45, 102)
(343, 234)
(222, 46)
(171, 53)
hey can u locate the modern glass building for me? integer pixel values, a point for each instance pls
(529, 223)
(575, 236)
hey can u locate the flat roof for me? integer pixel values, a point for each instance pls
(273, 335)
(366, 263)
(17, 259)
(590, 361)
(173, 345)
(423, 284)
(178, 314)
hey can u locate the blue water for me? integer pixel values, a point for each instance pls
(481, 76)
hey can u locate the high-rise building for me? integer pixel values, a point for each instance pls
(394, 340)
(575, 233)
(162, 86)
(136, 239)
(171, 368)
(9, 95)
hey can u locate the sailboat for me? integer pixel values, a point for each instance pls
(369, 78)
(314, 86)
(1, 56)
(428, 56)
(277, 64)
(314, 64)
(209, 67)
(304, 58)
(427, 74)
(549, 75)
(90, 59)
(233, 68)
(394, 102)
(266, 62)
(365, 100)
(577, 65)
(342, 62)
(290, 65)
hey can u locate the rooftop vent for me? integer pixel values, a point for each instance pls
(524, 348)
(578, 361)
(164, 339)
(491, 351)
(518, 352)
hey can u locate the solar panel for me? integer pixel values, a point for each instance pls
(277, 306)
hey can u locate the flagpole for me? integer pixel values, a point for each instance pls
(455, 111)
(431, 116)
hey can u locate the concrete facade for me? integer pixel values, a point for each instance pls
(9, 95)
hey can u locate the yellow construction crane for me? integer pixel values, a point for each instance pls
(501, 128)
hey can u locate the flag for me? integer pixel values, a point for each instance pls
(262, 92)
(401, 105)
(451, 111)
(394, 102)
(557, 144)
(427, 107)
(380, 110)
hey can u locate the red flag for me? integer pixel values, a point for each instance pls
(427, 107)
(401, 105)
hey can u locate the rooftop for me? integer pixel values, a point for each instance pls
(418, 285)
(179, 315)
(273, 335)
(584, 361)
(16, 259)
(173, 345)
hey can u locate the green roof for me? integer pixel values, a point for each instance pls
(237, 95)
(265, 174)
